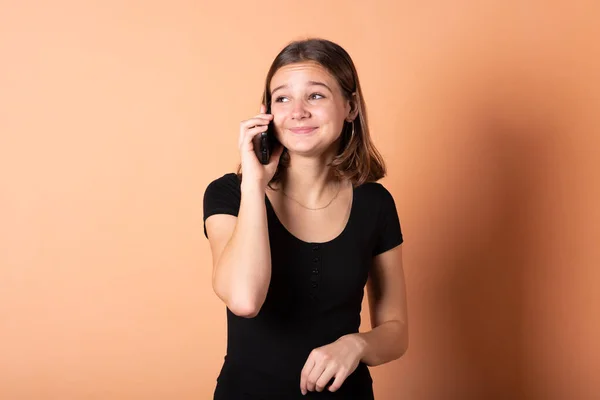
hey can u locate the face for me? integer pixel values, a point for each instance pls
(309, 109)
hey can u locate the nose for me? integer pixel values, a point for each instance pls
(299, 110)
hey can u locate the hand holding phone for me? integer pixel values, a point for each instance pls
(259, 148)
(264, 143)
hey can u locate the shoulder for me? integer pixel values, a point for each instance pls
(375, 192)
(229, 182)
(378, 199)
(222, 194)
(389, 231)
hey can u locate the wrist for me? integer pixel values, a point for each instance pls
(360, 343)
(250, 187)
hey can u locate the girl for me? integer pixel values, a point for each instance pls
(294, 242)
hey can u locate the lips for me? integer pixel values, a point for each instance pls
(303, 130)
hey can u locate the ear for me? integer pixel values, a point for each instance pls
(353, 108)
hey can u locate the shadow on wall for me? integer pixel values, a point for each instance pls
(484, 256)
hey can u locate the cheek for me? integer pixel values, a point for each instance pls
(333, 120)
(278, 121)
(328, 116)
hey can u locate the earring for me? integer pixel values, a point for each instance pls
(352, 135)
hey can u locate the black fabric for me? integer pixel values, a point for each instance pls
(314, 297)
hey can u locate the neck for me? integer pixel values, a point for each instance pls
(309, 180)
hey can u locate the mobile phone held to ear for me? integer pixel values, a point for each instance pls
(264, 143)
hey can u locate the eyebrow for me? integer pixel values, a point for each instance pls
(310, 83)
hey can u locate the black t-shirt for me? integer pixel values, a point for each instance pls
(314, 296)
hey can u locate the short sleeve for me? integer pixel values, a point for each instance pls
(389, 231)
(222, 196)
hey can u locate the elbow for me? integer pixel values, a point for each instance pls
(244, 308)
(241, 304)
(399, 346)
(402, 344)
(403, 349)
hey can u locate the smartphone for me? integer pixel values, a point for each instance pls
(265, 142)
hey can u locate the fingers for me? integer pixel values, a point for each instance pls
(315, 374)
(317, 377)
(320, 369)
(318, 372)
(306, 370)
(249, 134)
(325, 377)
(261, 120)
(340, 377)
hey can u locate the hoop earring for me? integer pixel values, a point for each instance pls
(351, 132)
(349, 140)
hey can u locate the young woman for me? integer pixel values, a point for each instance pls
(294, 242)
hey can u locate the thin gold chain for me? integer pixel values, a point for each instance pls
(318, 208)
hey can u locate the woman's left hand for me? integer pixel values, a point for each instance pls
(338, 359)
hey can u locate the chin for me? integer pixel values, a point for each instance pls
(303, 152)
(312, 152)
(300, 146)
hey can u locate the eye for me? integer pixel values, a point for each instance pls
(281, 99)
(316, 96)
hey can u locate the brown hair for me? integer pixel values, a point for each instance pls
(358, 160)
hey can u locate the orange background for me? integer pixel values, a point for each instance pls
(114, 116)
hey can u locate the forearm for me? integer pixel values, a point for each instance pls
(243, 271)
(384, 343)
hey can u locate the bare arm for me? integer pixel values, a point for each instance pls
(240, 245)
(388, 340)
(241, 254)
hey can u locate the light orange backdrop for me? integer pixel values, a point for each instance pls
(114, 116)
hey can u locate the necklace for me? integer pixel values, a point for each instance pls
(317, 208)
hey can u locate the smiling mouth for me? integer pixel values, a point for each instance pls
(303, 130)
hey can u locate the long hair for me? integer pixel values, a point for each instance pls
(357, 160)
